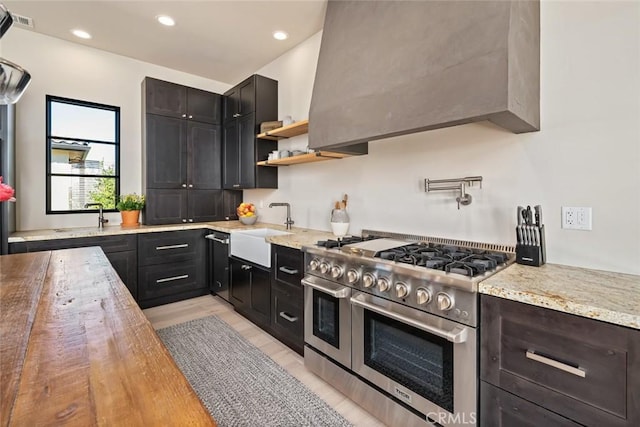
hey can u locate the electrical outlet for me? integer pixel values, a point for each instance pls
(576, 218)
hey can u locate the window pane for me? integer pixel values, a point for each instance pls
(72, 192)
(75, 121)
(82, 158)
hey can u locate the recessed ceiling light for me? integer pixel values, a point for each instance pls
(81, 33)
(166, 20)
(280, 35)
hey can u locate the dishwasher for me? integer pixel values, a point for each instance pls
(219, 264)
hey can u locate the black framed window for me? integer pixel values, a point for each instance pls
(83, 155)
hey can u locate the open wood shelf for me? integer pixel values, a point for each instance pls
(304, 158)
(294, 129)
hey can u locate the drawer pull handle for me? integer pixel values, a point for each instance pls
(162, 248)
(245, 267)
(286, 316)
(288, 270)
(556, 364)
(171, 279)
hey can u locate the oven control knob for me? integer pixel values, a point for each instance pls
(314, 264)
(368, 280)
(336, 272)
(324, 268)
(352, 276)
(445, 302)
(401, 289)
(423, 295)
(383, 284)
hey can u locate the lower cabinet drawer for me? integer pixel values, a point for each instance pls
(162, 280)
(288, 265)
(170, 246)
(287, 315)
(580, 368)
(501, 409)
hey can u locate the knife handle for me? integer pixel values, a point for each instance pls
(538, 210)
(520, 210)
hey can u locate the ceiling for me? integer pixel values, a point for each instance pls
(219, 40)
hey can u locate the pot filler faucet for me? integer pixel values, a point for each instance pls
(289, 221)
(101, 220)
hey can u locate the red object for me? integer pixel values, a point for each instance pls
(6, 192)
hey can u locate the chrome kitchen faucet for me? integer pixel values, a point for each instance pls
(289, 221)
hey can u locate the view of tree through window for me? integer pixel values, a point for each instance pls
(83, 155)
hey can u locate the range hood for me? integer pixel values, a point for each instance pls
(389, 68)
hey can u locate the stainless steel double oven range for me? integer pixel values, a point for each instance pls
(391, 321)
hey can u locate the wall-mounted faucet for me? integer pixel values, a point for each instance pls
(101, 219)
(289, 221)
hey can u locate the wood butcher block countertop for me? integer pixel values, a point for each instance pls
(75, 349)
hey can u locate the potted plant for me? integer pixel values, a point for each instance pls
(130, 206)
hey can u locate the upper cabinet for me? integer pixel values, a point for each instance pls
(174, 100)
(240, 100)
(253, 101)
(182, 154)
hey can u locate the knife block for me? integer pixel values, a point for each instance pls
(533, 255)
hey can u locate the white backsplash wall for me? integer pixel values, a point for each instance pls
(587, 153)
(72, 70)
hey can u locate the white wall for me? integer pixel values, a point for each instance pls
(587, 153)
(71, 70)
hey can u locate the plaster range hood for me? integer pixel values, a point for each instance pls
(389, 68)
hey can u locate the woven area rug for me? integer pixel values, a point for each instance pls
(238, 383)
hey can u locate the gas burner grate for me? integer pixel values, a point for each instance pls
(465, 268)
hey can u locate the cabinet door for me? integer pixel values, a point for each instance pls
(260, 296)
(166, 152)
(203, 106)
(247, 141)
(240, 284)
(204, 163)
(204, 205)
(247, 96)
(126, 265)
(230, 102)
(165, 98)
(230, 201)
(231, 156)
(166, 207)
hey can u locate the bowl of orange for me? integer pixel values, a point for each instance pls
(247, 213)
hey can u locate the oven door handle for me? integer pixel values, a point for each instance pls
(457, 335)
(339, 292)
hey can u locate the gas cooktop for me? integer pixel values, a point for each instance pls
(450, 257)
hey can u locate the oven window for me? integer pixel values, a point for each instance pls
(326, 318)
(418, 360)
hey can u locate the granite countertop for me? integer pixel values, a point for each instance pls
(298, 237)
(601, 295)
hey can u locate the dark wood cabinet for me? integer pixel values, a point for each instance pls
(582, 369)
(240, 100)
(248, 104)
(182, 154)
(499, 408)
(251, 291)
(174, 100)
(166, 152)
(231, 199)
(287, 297)
(172, 266)
(126, 265)
(120, 250)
